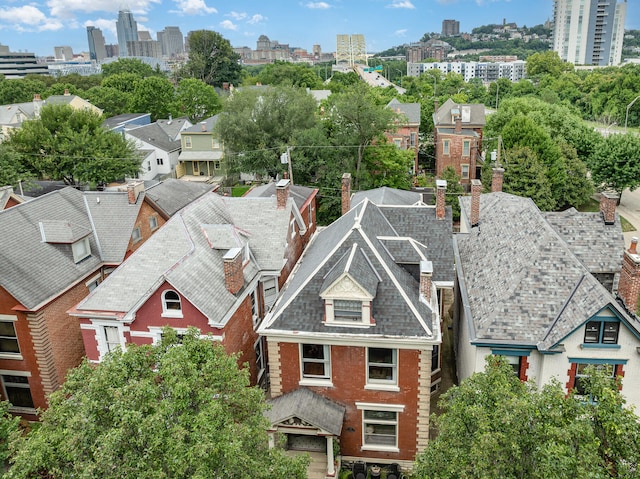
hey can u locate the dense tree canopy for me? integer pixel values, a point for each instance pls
(496, 427)
(197, 100)
(153, 95)
(128, 65)
(71, 145)
(165, 411)
(287, 73)
(212, 59)
(616, 162)
(12, 168)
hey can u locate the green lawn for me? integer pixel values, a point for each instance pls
(594, 206)
(239, 190)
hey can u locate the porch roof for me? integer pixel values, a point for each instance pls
(308, 406)
(200, 155)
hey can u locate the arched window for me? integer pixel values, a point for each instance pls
(171, 304)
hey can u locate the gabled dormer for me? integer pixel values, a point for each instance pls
(65, 232)
(349, 289)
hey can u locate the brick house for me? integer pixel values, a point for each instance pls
(217, 265)
(55, 249)
(532, 290)
(356, 335)
(458, 138)
(406, 134)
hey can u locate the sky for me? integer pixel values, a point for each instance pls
(37, 26)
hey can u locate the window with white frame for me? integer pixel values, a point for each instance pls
(153, 222)
(136, 235)
(347, 310)
(310, 214)
(8, 338)
(81, 249)
(171, 304)
(93, 282)
(382, 365)
(261, 360)
(112, 338)
(270, 291)
(16, 389)
(254, 307)
(397, 142)
(582, 375)
(187, 142)
(464, 172)
(215, 144)
(412, 138)
(466, 148)
(316, 361)
(435, 357)
(445, 147)
(380, 428)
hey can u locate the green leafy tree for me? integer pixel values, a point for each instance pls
(20, 90)
(256, 126)
(616, 162)
(454, 190)
(358, 120)
(526, 176)
(128, 65)
(196, 100)
(546, 63)
(212, 59)
(387, 165)
(12, 168)
(495, 426)
(71, 145)
(124, 82)
(9, 430)
(154, 95)
(111, 100)
(287, 73)
(165, 411)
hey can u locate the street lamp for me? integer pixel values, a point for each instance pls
(626, 118)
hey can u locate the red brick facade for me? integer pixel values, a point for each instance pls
(629, 285)
(458, 150)
(145, 225)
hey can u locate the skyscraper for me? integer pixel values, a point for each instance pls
(450, 28)
(127, 29)
(589, 32)
(172, 41)
(97, 50)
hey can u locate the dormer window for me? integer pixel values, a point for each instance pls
(81, 249)
(171, 304)
(347, 310)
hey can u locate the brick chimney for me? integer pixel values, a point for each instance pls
(458, 128)
(476, 189)
(441, 191)
(36, 97)
(233, 274)
(66, 92)
(497, 178)
(608, 203)
(134, 188)
(282, 193)
(426, 279)
(346, 192)
(203, 125)
(629, 285)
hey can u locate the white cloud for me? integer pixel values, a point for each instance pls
(228, 25)
(318, 5)
(257, 18)
(401, 4)
(237, 15)
(68, 8)
(194, 7)
(400, 33)
(28, 18)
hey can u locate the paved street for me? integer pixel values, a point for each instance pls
(629, 207)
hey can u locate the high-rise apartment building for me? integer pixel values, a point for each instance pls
(97, 50)
(63, 53)
(127, 29)
(172, 41)
(589, 32)
(450, 28)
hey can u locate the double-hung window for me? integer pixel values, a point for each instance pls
(445, 147)
(112, 338)
(382, 366)
(9, 347)
(466, 148)
(380, 423)
(601, 332)
(17, 390)
(171, 304)
(316, 361)
(582, 375)
(347, 310)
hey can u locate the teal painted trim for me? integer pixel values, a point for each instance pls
(552, 352)
(500, 346)
(604, 319)
(510, 352)
(597, 361)
(599, 346)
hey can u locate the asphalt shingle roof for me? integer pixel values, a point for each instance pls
(410, 110)
(523, 283)
(300, 194)
(443, 116)
(172, 195)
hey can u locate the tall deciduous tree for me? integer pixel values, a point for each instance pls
(287, 73)
(128, 65)
(212, 59)
(525, 175)
(165, 411)
(257, 125)
(153, 95)
(71, 145)
(494, 427)
(12, 169)
(196, 100)
(616, 162)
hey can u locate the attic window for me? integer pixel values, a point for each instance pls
(347, 310)
(81, 250)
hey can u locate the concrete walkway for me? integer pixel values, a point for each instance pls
(629, 207)
(317, 467)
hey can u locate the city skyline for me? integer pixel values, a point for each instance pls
(38, 27)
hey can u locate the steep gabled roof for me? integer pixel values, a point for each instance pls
(154, 135)
(171, 195)
(300, 194)
(387, 196)
(187, 253)
(449, 109)
(520, 280)
(396, 308)
(34, 269)
(411, 111)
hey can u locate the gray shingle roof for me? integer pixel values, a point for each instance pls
(154, 135)
(209, 123)
(171, 195)
(181, 254)
(410, 110)
(397, 310)
(309, 406)
(356, 264)
(523, 283)
(386, 196)
(34, 271)
(300, 194)
(443, 116)
(598, 246)
(174, 126)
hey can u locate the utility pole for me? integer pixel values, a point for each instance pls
(498, 155)
(286, 158)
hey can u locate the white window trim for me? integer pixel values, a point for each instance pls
(101, 337)
(95, 279)
(364, 321)
(397, 408)
(188, 143)
(383, 384)
(446, 147)
(255, 307)
(259, 344)
(462, 175)
(171, 313)
(13, 319)
(76, 255)
(468, 145)
(317, 381)
(17, 409)
(268, 300)
(136, 237)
